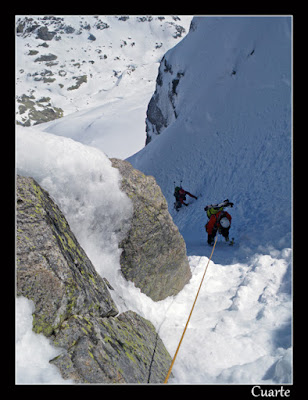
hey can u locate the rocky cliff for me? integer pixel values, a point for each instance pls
(161, 111)
(154, 252)
(73, 305)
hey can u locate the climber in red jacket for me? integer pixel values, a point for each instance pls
(180, 196)
(221, 222)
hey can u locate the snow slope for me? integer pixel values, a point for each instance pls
(231, 138)
(116, 116)
(120, 67)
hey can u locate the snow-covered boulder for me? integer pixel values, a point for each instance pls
(72, 304)
(52, 268)
(154, 252)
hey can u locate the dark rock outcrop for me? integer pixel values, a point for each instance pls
(162, 108)
(155, 118)
(73, 306)
(154, 252)
(44, 34)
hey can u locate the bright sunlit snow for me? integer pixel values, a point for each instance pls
(109, 110)
(231, 139)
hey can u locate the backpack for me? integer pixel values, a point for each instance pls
(176, 193)
(212, 211)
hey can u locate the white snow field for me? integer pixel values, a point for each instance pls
(108, 111)
(231, 139)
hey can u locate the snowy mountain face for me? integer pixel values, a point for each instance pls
(220, 122)
(98, 70)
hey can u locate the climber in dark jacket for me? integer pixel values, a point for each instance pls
(180, 196)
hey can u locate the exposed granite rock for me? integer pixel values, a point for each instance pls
(79, 80)
(119, 350)
(154, 252)
(162, 108)
(52, 268)
(35, 110)
(46, 57)
(44, 34)
(154, 118)
(73, 306)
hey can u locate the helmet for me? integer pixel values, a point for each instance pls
(224, 222)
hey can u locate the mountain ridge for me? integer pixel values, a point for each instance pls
(63, 59)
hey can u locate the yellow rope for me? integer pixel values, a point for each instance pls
(191, 311)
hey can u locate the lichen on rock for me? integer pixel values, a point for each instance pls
(154, 252)
(53, 270)
(73, 305)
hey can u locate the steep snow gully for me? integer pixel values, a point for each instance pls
(227, 135)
